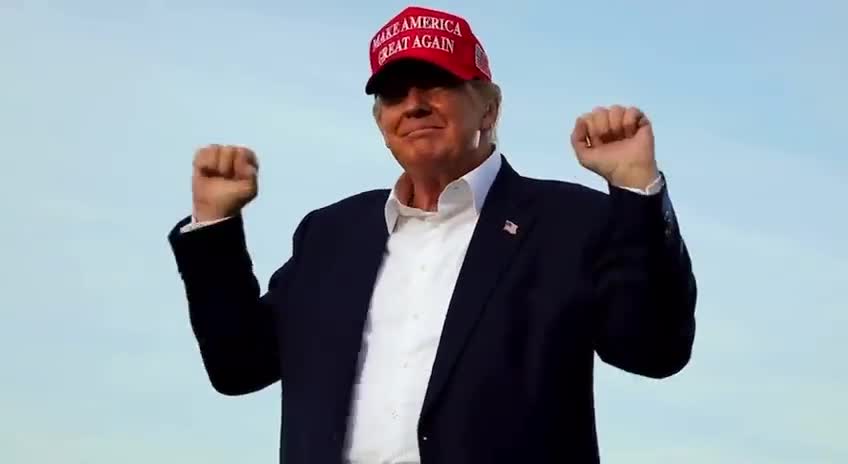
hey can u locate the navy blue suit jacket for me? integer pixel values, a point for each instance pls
(587, 272)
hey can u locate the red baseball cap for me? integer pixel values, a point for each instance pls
(435, 37)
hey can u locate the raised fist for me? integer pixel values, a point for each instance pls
(223, 181)
(617, 143)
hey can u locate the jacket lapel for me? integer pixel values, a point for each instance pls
(357, 263)
(504, 222)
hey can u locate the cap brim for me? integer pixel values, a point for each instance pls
(385, 72)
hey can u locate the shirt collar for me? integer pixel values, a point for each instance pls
(469, 190)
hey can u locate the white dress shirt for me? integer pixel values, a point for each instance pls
(423, 257)
(424, 253)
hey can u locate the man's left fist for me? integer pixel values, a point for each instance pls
(616, 143)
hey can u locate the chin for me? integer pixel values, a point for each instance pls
(422, 151)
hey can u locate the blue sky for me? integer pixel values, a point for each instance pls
(102, 104)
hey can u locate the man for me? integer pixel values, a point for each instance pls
(455, 317)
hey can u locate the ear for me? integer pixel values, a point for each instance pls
(490, 116)
(383, 134)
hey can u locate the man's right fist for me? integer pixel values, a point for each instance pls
(223, 181)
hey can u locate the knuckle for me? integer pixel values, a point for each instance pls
(202, 157)
(201, 153)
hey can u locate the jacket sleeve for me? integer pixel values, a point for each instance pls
(235, 326)
(645, 286)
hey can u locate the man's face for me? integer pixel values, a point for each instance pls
(427, 115)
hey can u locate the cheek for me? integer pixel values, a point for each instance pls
(463, 117)
(463, 126)
(387, 125)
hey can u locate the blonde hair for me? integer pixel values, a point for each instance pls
(487, 91)
(491, 94)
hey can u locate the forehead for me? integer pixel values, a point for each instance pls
(405, 74)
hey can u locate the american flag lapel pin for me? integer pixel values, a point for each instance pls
(510, 227)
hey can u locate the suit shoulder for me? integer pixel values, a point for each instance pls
(359, 200)
(559, 190)
(353, 205)
(569, 204)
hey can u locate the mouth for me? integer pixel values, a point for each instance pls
(419, 131)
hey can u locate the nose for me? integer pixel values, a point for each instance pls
(415, 103)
